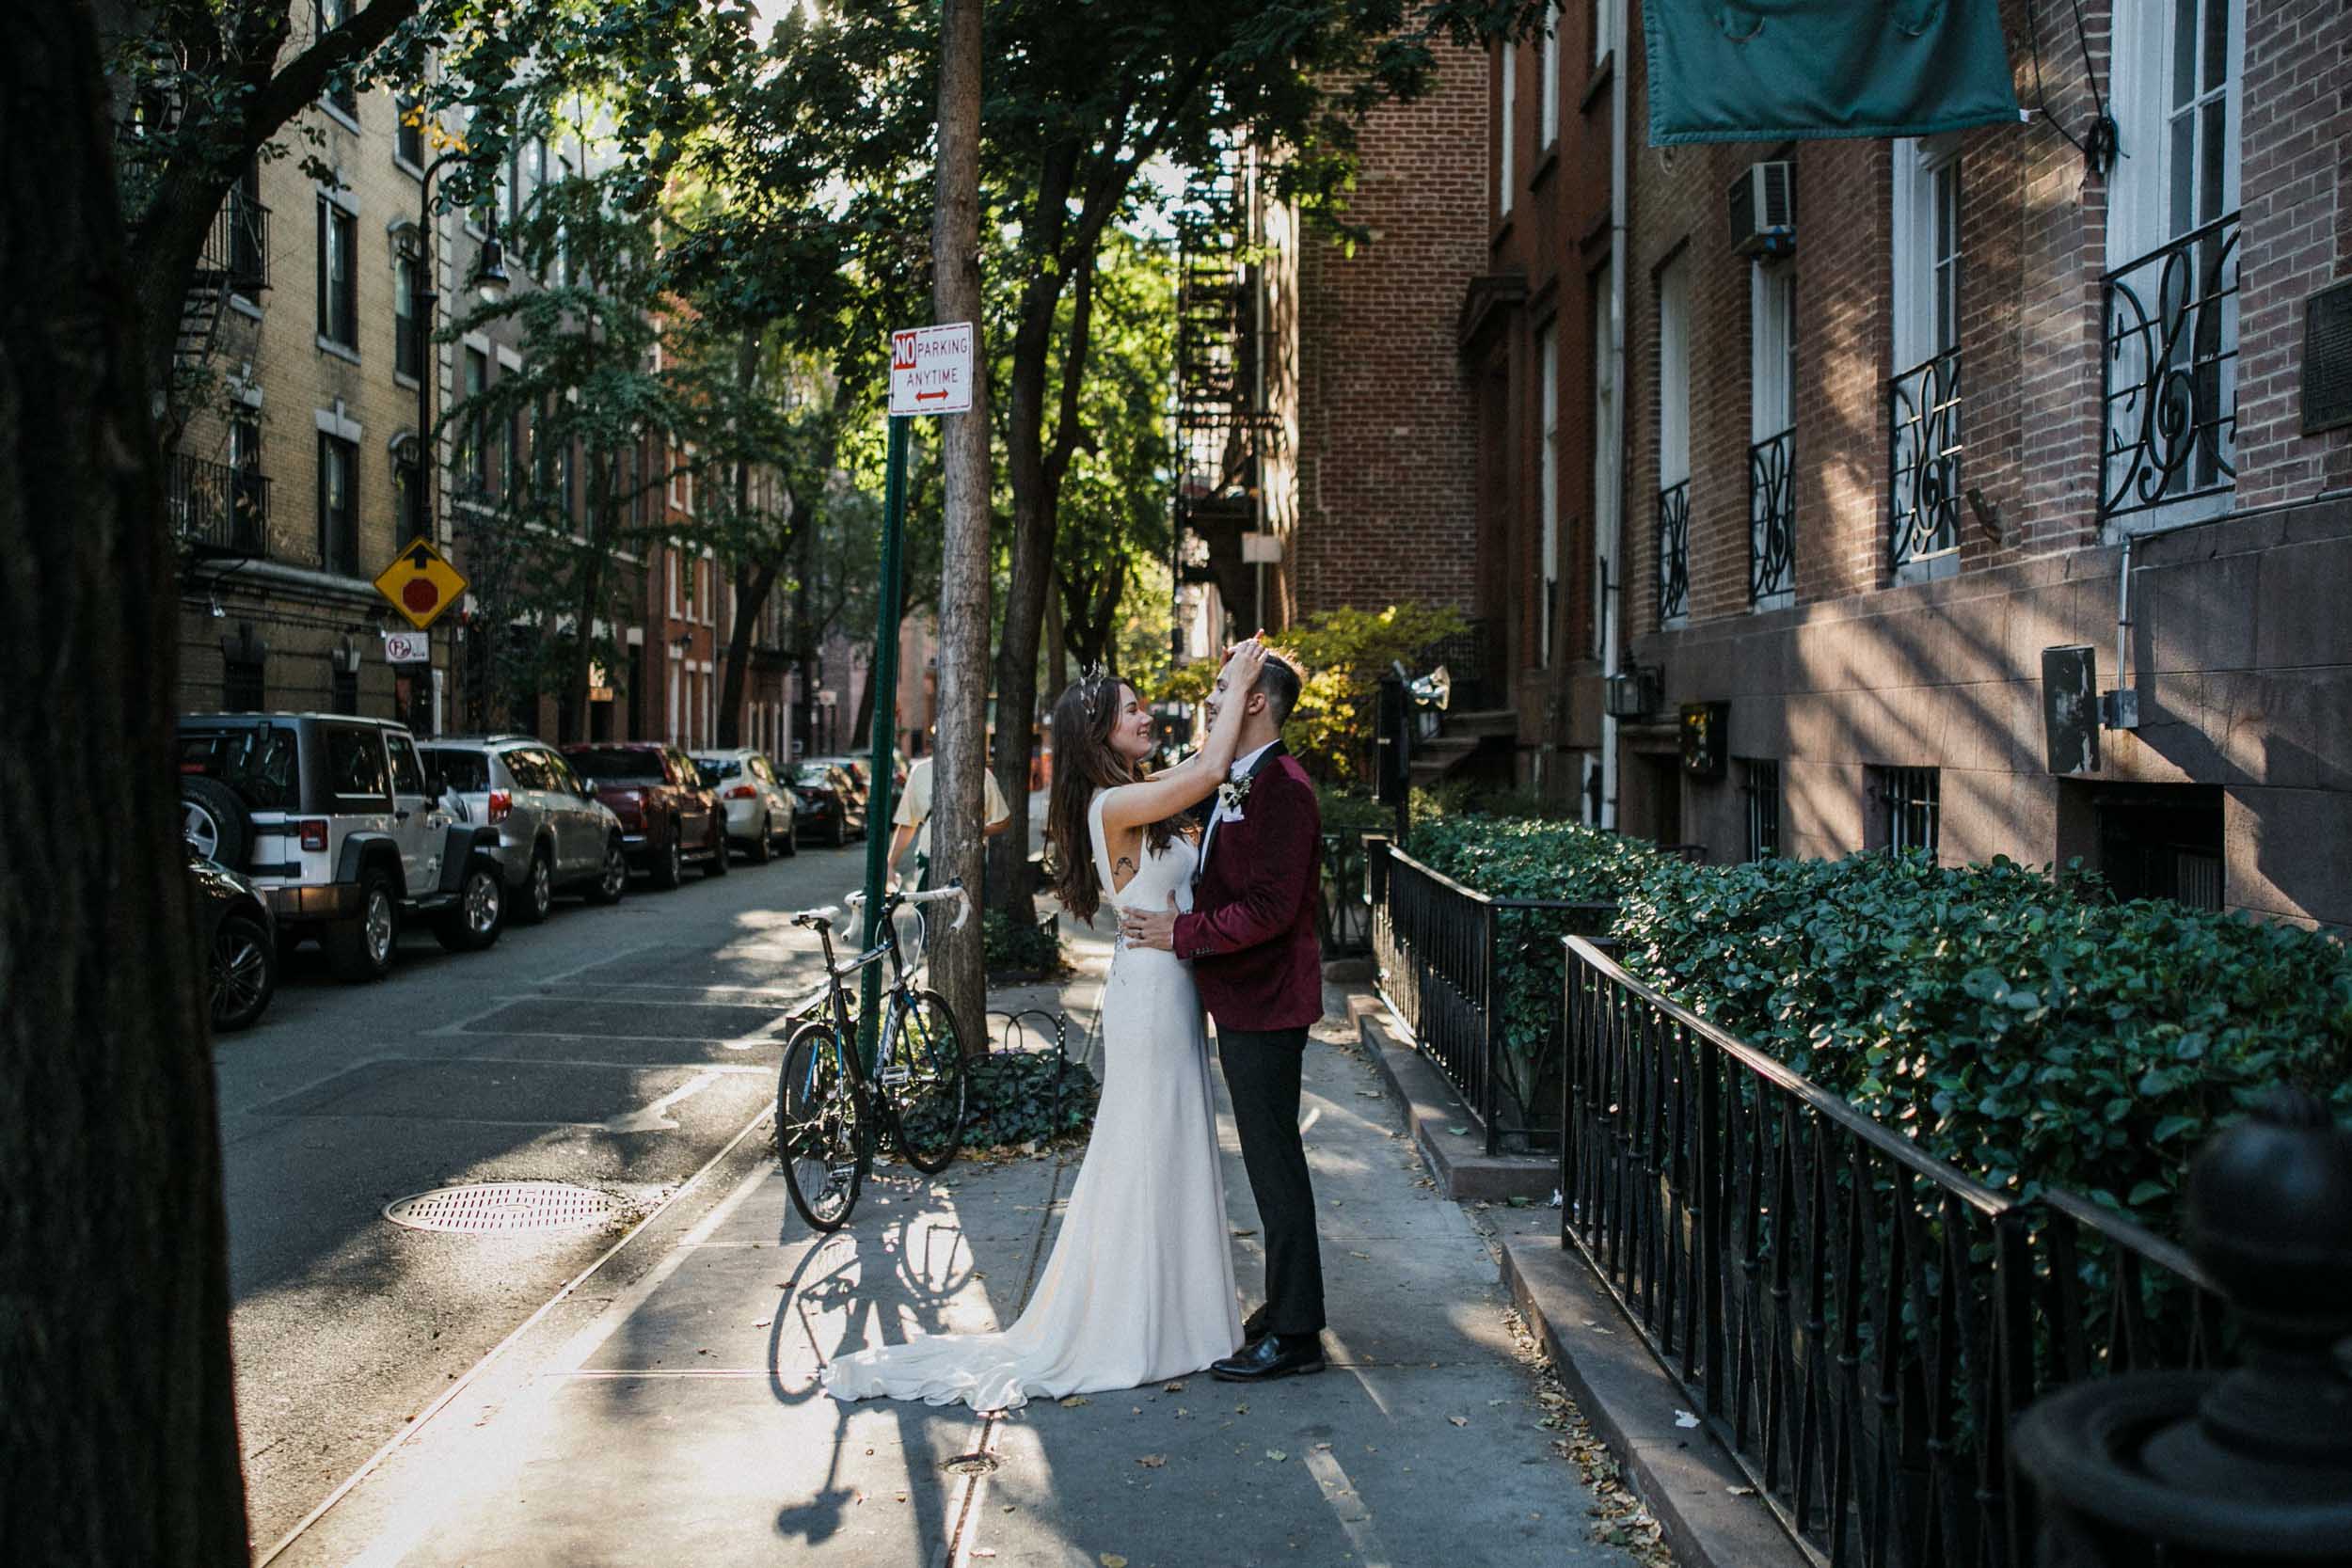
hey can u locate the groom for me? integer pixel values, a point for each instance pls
(1251, 938)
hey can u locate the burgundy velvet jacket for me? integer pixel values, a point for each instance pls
(1251, 935)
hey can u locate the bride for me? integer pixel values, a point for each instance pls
(1140, 1283)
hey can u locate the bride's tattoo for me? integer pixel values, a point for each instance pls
(1124, 863)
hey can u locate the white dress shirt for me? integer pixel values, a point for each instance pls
(1224, 812)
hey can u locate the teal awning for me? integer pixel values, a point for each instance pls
(1770, 69)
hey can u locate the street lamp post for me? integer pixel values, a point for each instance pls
(489, 275)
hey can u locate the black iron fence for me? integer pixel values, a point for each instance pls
(217, 509)
(1452, 964)
(1772, 516)
(1344, 913)
(1673, 552)
(2169, 372)
(1856, 1320)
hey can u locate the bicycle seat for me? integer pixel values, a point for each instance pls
(818, 918)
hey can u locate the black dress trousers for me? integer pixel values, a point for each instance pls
(1262, 1071)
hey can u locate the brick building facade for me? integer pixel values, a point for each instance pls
(1991, 397)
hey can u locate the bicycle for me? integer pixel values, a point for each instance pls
(826, 1097)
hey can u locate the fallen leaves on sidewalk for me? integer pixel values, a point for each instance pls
(1176, 1387)
(1073, 1401)
(1276, 1455)
(1111, 1559)
(1153, 1460)
(1459, 1420)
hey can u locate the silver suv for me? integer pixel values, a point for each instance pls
(343, 829)
(554, 835)
(761, 810)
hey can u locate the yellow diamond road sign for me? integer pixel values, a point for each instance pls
(420, 583)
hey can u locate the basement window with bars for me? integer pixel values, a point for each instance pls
(1910, 808)
(1760, 782)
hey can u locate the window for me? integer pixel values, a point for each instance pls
(1923, 395)
(1507, 165)
(526, 173)
(475, 458)
(1604, 29)
(1909, 807)
(1772, 455)
(408, 773)
(408, 133)
(463, 770)
(2156, 841)
(338, 280)
(1760, 784)
(407, 321)
(257, 762)
(1605, 482)
(248, 259)
(342, 89)
(243, 682)
(1547, 488)
(355, 768)
(343, 692)
(1674, 442)
(1548, 95)
(339, 504)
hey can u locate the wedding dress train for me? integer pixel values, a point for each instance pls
(1139, 1286)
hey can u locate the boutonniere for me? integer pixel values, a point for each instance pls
(1232, 793)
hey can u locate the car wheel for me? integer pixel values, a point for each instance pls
(840, 830)
(361, 948)
(212, 818)
(792, 835)
(669, 866)
(538, 888)
(613, 879)
(721, 854)
(244, 971)
(480, 913)
(764, 843)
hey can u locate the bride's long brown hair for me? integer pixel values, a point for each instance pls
(1085, 764)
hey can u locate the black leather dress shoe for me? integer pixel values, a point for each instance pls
(1265, 1358)
(1255, 1326)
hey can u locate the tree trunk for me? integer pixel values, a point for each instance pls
(752, 588)
(117, 1431)
(964, 581)
(1057, 640)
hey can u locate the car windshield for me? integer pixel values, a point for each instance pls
(255, 760)
(467, 772)
(812, 776)
(719, 768)
(615, 764)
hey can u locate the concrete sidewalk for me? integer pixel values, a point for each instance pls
(681, 1421)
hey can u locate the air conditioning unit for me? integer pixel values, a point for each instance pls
(1764, 209)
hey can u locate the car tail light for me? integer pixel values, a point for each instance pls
(742, 792)
(501, 803)
(314, 835)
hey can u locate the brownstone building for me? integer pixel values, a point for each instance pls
(1819, 447)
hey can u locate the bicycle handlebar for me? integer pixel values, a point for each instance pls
(857, 901)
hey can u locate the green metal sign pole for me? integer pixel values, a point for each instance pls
(886, 677)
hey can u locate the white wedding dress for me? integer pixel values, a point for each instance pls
(1140, 1283)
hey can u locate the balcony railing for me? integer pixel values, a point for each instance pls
(1854, 1320)
(1923, 461)
(219, 510)
(2169, 373)
(1674, 553)
(1773, 518)
(236, 250)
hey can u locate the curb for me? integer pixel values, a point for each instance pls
(1459, 1161)
(1631, 1402)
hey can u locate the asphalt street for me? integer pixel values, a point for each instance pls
(622, 1049)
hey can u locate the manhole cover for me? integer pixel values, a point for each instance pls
(972, 1464)
(503, 1208)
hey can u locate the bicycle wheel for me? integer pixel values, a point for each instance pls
(822, 1137)
(923, 1076)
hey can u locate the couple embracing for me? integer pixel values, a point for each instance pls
(1139, 1286)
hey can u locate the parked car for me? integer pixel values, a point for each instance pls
(830, 805)
(863, 765)
(554, 835)
(668, 816)
(340, 828)
(861, 780)
(240, 939)
(761, 812)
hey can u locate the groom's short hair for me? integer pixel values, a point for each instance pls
(1278, 682)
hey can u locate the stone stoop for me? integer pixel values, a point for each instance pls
(1459, 1161)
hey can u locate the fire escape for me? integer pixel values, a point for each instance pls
(220, 508)
(1224, 429)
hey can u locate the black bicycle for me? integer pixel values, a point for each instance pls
(828, 1102)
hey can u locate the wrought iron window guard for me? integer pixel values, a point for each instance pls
(1673, 552)
(1772, 518)
(217, 509)
(2169, 373)
(1856, 1320)
(1923, 451)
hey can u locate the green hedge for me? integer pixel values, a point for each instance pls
(2026, 1027)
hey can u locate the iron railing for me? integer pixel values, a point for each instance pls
(237, 248)
(216, 509)
(1472, 657)
(1856, 1320)
(1344, 914)
(1923, 460)
(1772, 516)
(1673, 552)
(2169, 373)
(1445, 955)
